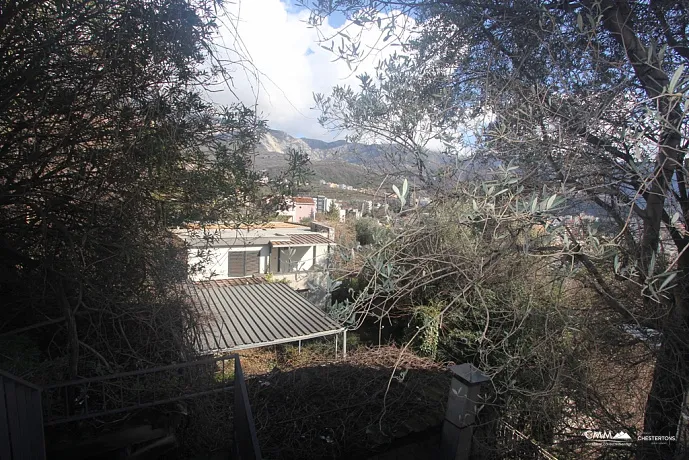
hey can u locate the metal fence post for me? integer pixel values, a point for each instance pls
(455, 441)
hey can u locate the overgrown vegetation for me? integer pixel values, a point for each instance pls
(587, 100)
(107, 141)
(366, 230)
(556, 263)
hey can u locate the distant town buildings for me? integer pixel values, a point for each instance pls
(354, 213)
(348, 187)
(323, 204)
(352, 207)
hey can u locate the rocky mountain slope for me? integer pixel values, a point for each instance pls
(339, 161)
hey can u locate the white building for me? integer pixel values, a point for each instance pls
(323, 204)
(355, 213)
(283, 250)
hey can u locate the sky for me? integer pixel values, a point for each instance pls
(289, 63)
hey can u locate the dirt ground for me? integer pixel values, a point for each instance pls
(314, 406)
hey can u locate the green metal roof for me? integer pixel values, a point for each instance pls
(256, 315)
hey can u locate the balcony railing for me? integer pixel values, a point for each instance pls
(128, 391)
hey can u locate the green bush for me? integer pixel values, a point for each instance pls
(428, 317)
(366, 230)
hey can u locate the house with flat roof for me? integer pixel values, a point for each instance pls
(299, 208)
(284, 250)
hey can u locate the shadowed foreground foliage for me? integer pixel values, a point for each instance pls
(105, 140)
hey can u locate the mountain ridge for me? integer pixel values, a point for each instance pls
(337, 161)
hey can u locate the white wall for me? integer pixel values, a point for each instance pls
(292, 214)
(218, 263)
(321, 255)
(218, 260)
(306, 280)
(302, 258)
(212, 261)
(298, 258)
(297, 281)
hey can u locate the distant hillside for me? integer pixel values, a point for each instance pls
(322, 145)
(336, 161)
(335, 171)
(278, 142)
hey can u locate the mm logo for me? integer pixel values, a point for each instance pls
(591, 434)
(607, 435)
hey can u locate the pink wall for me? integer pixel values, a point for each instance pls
(303, 210)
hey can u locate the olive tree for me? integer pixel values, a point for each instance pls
(586, 97)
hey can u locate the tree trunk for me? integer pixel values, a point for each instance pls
(670, 378)
(671, 375)
(72, 347)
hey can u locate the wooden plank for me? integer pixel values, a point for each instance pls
(36, 425)
(246, 440)
(29, 429)
(23, 413)
(13, 419)
(5, 446)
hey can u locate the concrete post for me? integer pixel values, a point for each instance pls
(455, 441)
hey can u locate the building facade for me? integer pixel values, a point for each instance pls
(282, 250)
(299, 208)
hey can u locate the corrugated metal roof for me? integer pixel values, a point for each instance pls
(257, 315)
(303, 240)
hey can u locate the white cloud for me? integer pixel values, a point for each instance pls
(290, 63)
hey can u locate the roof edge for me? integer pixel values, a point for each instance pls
(279, 341)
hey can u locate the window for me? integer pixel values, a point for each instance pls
(244, 263)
